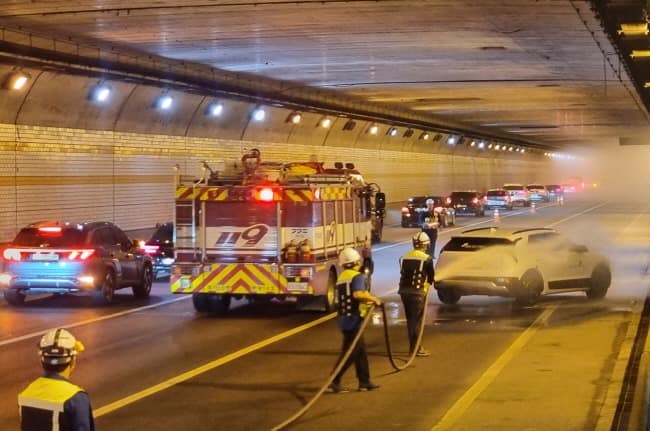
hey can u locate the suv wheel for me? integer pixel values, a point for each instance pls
(448, 296)
(143, 290)
(14, 297)
(106, 293)
(601, 277)
(532, 285)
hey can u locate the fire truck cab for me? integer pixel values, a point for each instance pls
(271, 230)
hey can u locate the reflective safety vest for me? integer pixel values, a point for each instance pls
(348, 304)
(41, 404)
(413, 278)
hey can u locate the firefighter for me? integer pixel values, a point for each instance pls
(430, 225)
(416, 276)
(352, 295)
(52, 402)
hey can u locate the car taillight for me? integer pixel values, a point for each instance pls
(150, 249)
(405, 210)
(11, 254)
(475, 200)
(80, 254)
(448, 200)
(50, 230)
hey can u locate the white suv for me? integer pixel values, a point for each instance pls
(518, 194)
(523, 263)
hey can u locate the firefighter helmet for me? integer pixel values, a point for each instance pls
(421, 240)
(349, 257)
(59, 346)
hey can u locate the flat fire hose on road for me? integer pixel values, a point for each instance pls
(345, 357)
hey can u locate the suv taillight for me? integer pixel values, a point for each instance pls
(79, 255)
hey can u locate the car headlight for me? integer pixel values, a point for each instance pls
(167, 260)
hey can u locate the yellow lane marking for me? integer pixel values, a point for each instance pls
(93, 320)
(465, 401)
(206, 367)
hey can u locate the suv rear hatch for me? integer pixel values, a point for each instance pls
(470, 257)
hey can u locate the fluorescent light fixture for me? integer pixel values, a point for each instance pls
(473, 143)
(424, 136)
(481, 145)
(294, 118)
(373, 130)
(523, 150)
(325, 122)
(349, 125)
(16, 80)
(100, 92)
(215, 109)
(497, 147)
(510, 148)
(451, 140)
(640, 53)
(633, 29)
(408, 133)
(489, 146)
(259, 114)
(392, 131)
(165, 102)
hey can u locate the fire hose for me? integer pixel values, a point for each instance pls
(347, 354)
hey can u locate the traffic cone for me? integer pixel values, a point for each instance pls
(496, 215)
(532, 207)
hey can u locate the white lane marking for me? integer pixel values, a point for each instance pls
(88, 321)
(577, 214)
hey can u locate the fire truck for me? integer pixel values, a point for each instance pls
(264, 230)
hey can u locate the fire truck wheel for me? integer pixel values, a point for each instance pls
(330, 297)
(218, 304)
(200, 302)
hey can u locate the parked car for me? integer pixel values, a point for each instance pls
(555, 192)
(538, 192)
(497, 198)
(523, 263)
(467, 202)
(161, 249)
(96, 258)
(518, 194)
(417, 204)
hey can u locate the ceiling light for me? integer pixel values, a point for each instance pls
(392, 131)
(473, 143)
(325, 123)
(100, 92)
(640, 53)
(408, 133)
(425, 136)
(374, 129)
(481, 145)
(16, 80)
(294, 118)
(259, 114)
(633, 29)
(489, 146)
(511, 148)
(497, 147)
(215, 109)
(165, 102)
(451, 140)
(523, 150)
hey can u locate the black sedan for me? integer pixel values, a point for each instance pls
(418, 204)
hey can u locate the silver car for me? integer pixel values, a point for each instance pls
(524, 263)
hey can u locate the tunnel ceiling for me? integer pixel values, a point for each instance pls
(550, 72)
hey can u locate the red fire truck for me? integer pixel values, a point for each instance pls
(271, 230)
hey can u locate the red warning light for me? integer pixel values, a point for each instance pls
(266, 195)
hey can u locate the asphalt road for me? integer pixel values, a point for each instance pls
(555, 366)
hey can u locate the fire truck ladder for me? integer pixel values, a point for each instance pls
(186, 224)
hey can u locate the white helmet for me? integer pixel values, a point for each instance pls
(421, 240)
(58, 346)
(348, 257)
(429, 202)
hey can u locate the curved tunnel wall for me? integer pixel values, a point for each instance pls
(63, 156)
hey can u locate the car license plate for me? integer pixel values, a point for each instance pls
(45, 256)
(297, 286)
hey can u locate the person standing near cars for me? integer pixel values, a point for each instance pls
(429, 224)
(352, 294)
(416, 277)
(52, 402)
